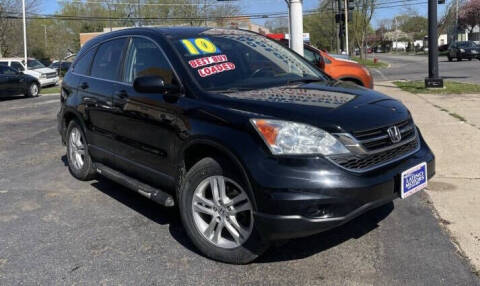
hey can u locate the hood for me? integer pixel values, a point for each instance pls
(44, 70)
(333, 106)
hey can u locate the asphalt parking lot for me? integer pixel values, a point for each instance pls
(57, 230)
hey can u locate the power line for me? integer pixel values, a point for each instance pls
(383, 5)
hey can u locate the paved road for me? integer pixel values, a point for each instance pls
(57, 230)
(416, 68)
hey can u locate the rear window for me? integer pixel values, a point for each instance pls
(107, 59)
(82, 65)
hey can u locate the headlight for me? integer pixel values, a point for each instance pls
(43, 75)
(285, 137)
(462, 50)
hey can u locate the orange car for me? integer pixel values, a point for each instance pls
(339, 69)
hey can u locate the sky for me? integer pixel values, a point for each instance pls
(272, 6)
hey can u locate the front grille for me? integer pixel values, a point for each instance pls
(374, 139)
(368, 161)
(51, 75)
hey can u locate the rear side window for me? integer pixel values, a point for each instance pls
(107, 59)
(5, 64)
(83, 64)
(17, 66)
(4, 70)
(145, 59)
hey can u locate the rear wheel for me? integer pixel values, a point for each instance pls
(33, 90)
(79, 161)
(217, 213)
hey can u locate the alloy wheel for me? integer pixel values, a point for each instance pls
(34, 90)
(77, 149)
(222, 212)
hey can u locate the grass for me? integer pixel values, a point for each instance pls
(450, 87)
(369, 63)
(53, 89)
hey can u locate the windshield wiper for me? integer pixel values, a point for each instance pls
(232, 89)
(304, 80)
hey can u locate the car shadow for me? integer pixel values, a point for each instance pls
(159, 214)
(279, 251)
(304, 247)
(8, 98)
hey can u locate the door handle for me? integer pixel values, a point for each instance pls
(84, 85)
(121, 94)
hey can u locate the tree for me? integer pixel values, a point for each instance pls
(11, 33)
(469, 15)
(277, 25)
(362, 16)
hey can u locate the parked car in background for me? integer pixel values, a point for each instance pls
(337, 68)
(463, 50)
(45, 76)
(250, 140)
(60, 67)
(13, 82)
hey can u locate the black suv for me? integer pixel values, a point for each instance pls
(251, 141)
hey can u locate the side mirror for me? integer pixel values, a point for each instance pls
(153, 84)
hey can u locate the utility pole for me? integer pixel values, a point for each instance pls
(24, 36)
(295, 18)
(340, 27)
(45, 36)
(433, 80)
(456, 23)
(346, 26)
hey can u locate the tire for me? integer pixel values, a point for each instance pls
(459, 59)
(33, 90)
(469, 59)
(449, 58)
(80, 163)
(200, 177)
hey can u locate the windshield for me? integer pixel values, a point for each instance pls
(223, 60)
(34, 64)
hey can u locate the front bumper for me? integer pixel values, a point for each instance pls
(48, 81)
(313, 196)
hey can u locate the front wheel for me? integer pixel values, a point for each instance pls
(217, 213)
(33, 90)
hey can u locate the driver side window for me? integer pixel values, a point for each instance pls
(145, 59)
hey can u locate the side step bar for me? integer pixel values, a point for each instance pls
(145, 190)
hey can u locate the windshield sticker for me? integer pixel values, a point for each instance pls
(200, 46)
(200, 62)
(218, 68)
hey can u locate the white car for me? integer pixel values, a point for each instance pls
(46, 76)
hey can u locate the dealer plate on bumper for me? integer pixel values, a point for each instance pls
(413, 180)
